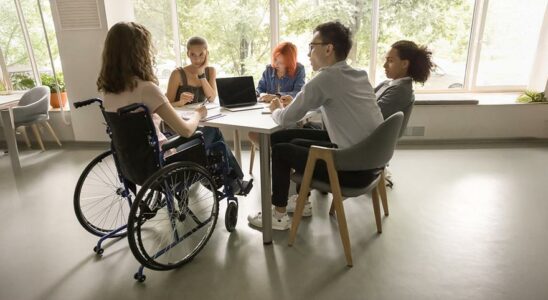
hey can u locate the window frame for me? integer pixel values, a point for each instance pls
(472, 60)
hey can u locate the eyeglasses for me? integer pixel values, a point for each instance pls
(311, 45)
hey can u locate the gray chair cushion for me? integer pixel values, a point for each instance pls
(345, 191)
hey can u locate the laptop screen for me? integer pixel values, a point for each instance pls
(236, 91)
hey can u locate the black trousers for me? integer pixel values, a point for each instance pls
(290, 151)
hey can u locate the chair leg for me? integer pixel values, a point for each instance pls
(37, 136)
(303, 195)
(343, 227)
(298, 214)
(382, 191)
(25, 136)
(252, 159)
(53, 133)
(339, 208)
(376, 209)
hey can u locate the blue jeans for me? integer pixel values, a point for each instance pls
(212, 136)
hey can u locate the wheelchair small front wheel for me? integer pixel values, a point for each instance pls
(231, 215)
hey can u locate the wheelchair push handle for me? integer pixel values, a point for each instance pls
(87, 102)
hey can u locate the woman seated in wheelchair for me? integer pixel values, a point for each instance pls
(127, 77)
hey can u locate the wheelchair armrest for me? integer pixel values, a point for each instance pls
(179, 140)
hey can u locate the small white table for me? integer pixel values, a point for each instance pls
(6, 103)
(253, 120)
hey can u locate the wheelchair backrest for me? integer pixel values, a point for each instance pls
(135, 142)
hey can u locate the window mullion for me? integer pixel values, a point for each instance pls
(474, 49)
(274, 23)
(176, 36)
(28, 44)
(374, 41)
(5, 74)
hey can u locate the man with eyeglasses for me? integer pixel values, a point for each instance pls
(349, 111)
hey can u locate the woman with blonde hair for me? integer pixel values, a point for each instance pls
(195, 82)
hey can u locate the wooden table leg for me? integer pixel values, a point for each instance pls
(266, 196)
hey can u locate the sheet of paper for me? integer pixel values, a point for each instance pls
(211, 114)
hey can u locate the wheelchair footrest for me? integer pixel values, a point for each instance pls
(245, 187)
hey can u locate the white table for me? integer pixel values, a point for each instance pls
(6, 103)
(253, 120)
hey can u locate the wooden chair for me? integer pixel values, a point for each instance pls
(374, 152)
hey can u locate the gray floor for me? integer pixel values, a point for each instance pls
(466, 223)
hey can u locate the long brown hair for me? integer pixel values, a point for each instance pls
(128, 54)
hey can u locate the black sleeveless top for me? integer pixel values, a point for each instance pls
(198, 91)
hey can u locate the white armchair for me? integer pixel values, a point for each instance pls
(33, 110)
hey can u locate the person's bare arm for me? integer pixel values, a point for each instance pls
(210, 86)
(182, 127)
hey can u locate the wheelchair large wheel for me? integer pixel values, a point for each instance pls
(101, 202)
(168, 231)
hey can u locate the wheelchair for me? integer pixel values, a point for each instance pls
(176, 189)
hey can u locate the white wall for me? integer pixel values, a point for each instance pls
(80, 51)
(447, 122)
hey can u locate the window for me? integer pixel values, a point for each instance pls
(157, 17)
(238, 33)
(469, 53)
(27, 58)
(509, 42)
(299, 18)
(443, 26)
(12, 42)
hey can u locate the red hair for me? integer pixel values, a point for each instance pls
(289, 53)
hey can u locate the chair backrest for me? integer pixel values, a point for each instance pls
(406, 115)
(35, 94)
(375, 151)
(135, 142)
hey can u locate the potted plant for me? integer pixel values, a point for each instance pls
(531, 96)
(22, 82)
(55, 87)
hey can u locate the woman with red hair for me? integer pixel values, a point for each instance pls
(283, 79)
(283, 76)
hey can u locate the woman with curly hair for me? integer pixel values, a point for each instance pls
(405, 62)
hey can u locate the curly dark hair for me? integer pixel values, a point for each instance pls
(338, 35)
(128, 54)
(419, 57)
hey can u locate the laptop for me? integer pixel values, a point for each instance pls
(237, 93)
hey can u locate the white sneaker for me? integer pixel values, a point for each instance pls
(277, 224)
(292, 204)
